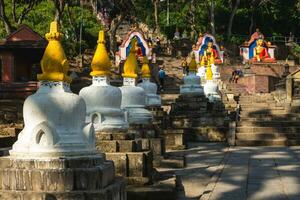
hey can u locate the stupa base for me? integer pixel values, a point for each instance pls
(65, 178)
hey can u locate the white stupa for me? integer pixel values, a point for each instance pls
(211, 88)
(215, 72)
(201, 72)
(191, 82)
(103, 101)
(133, 97)
(152, 98)
(54, 117)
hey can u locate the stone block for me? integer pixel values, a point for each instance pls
(137, 164)
(74, 181)
(59, 179)
(120, 136)
(106, 174)
(157, 146)
(127, 145)
(37, 180)
(138, 180)
(99, 135)
(120, 162)
(145, 144)
(108, 146)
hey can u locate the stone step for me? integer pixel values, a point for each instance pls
(163, 192)
(249, 129)
(173, 162)
(264, 136)
(269, 142)
(271, 118)
(268, 123)
(261, 105)
(261, 108)
(263, 113)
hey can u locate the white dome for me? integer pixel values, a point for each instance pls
(152, 99)
(211, 90)
(54, 124)
(103, 104)
(191, 85)
(134, 102)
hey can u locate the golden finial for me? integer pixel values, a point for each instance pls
(130, 65)
(100, 63)
(209, 74)
(193, 64)
(145, 68)
(54, 63)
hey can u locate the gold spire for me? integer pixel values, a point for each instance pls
(209, 74)
(145, 68)
(54, 63)
(130, 65)
(193, 64)
(100, 63)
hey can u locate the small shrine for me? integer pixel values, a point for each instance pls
(143, 47)
(258, 50)
(203, 43)
(20, 54)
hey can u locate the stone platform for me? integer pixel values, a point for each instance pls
(193, 118)
(65, 178)
(134, 152)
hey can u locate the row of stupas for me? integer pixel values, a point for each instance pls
(56, 155)
(203, 83)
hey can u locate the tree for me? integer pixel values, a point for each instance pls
(24, 7)
(117, 12)
(234, 7)
(210, 4)
(155, 5)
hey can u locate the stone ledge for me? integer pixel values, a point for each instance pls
(115, 191)
(37, 176)
(136, 165)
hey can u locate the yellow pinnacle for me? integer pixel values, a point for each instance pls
(101, 63)
(130, 65)
(209, 74)
(54, 63)
(193, 64)
(145, 68)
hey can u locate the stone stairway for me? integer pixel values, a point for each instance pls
(263, 122)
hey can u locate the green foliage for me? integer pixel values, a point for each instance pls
(297, 48)
(40, 17)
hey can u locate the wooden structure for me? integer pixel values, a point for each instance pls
(20, 55)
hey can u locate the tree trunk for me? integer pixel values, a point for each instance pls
(112, 33)
(59, 9)
(3, 17)
(251, 21)
(231, 18)
(212, 17)
(155, 4)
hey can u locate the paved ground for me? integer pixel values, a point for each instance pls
(217, 172)
(257, 173)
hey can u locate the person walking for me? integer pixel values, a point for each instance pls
(161, 75)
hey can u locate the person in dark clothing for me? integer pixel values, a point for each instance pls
(161, 75)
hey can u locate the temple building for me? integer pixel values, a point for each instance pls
(20, 54)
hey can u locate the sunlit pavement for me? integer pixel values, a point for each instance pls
(258, 173)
